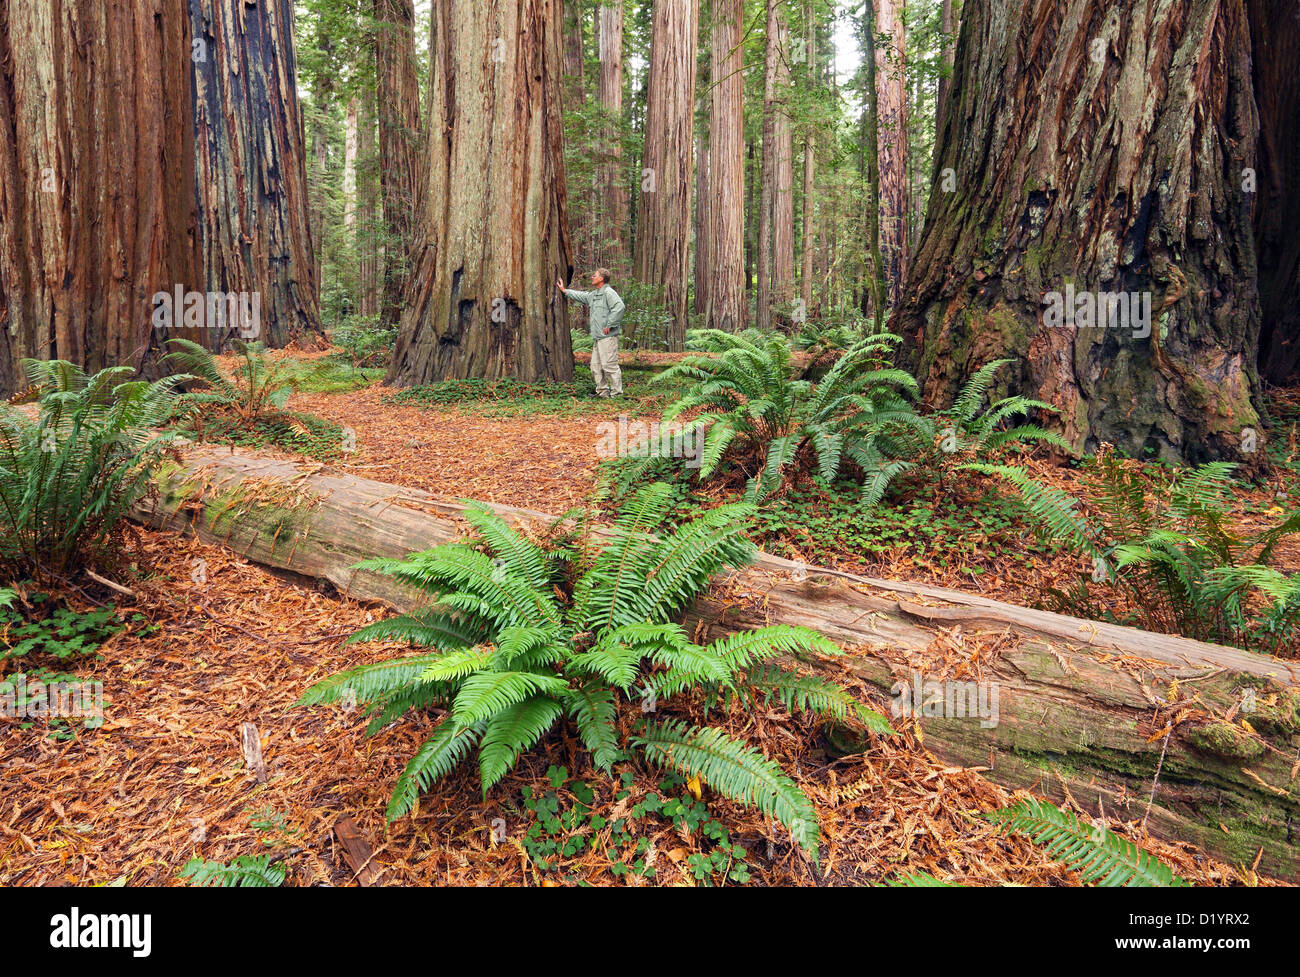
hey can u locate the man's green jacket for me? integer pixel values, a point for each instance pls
(606, 310)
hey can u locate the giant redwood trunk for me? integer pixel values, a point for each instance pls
(612, 204)
(664, 206)
(254, 217)
(1275, 36)
(398, 101)
(482, 301)
(1091, 161)
(725, 229)
(96, 179)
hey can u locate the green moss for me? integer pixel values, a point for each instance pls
(1226, 741)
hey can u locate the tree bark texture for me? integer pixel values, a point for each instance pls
(400, 146)
(97, 196)
(1106, 716)
(726, 228)
(251, 158)
(892, 153)
(611, 188)
(1098, 147)
(664, 206)
(1275, 33)
(482, 300)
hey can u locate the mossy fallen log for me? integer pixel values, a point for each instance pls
(1200, 741)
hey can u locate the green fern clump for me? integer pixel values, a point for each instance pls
(523, 638)
(68, 478)
(968, 431)
(246, 871)
(1171, 554)
(759, 419)
(253, 390)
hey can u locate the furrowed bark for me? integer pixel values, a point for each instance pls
(97, 196)
(400, 148)
(664, 206)
(1275, 37)
(482, 300)
(891, 123)
(725, 308)
(1083, 708)
(251, 159)
(1098, 149)
(612, 203)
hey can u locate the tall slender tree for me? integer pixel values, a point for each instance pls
(400, 178)
(484, 302)
(892, 155)
(776, 200)
(664, 206)
(611, 189)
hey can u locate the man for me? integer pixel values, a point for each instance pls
(606, 321)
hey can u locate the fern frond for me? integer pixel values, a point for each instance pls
(734, 770)
(1096, 855)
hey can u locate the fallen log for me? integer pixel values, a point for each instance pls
(1199, 741)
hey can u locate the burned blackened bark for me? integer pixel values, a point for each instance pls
(398, 104)
(664, 206)
(96, 179)
(482, 300)
(1275, 31)
(1092, 155)
(250, 153)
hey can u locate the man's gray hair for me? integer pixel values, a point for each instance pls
(604, 275)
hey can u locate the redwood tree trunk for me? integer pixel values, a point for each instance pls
(611, 189)
(398, 96)
(251, 158)
(726, 226)
(96, 179)
(664, 206)
(1275, 31)
(1103, 154)
(483, 301)
(891, 121)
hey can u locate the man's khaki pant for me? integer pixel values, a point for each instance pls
(604, 367)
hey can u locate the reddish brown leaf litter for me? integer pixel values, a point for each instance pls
(166, 778)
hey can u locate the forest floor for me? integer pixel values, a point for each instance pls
(165, 779)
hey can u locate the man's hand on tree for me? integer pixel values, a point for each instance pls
(559, 283)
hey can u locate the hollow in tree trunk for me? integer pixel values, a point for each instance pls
(482, 300)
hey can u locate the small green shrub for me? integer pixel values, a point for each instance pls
(365, 341)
